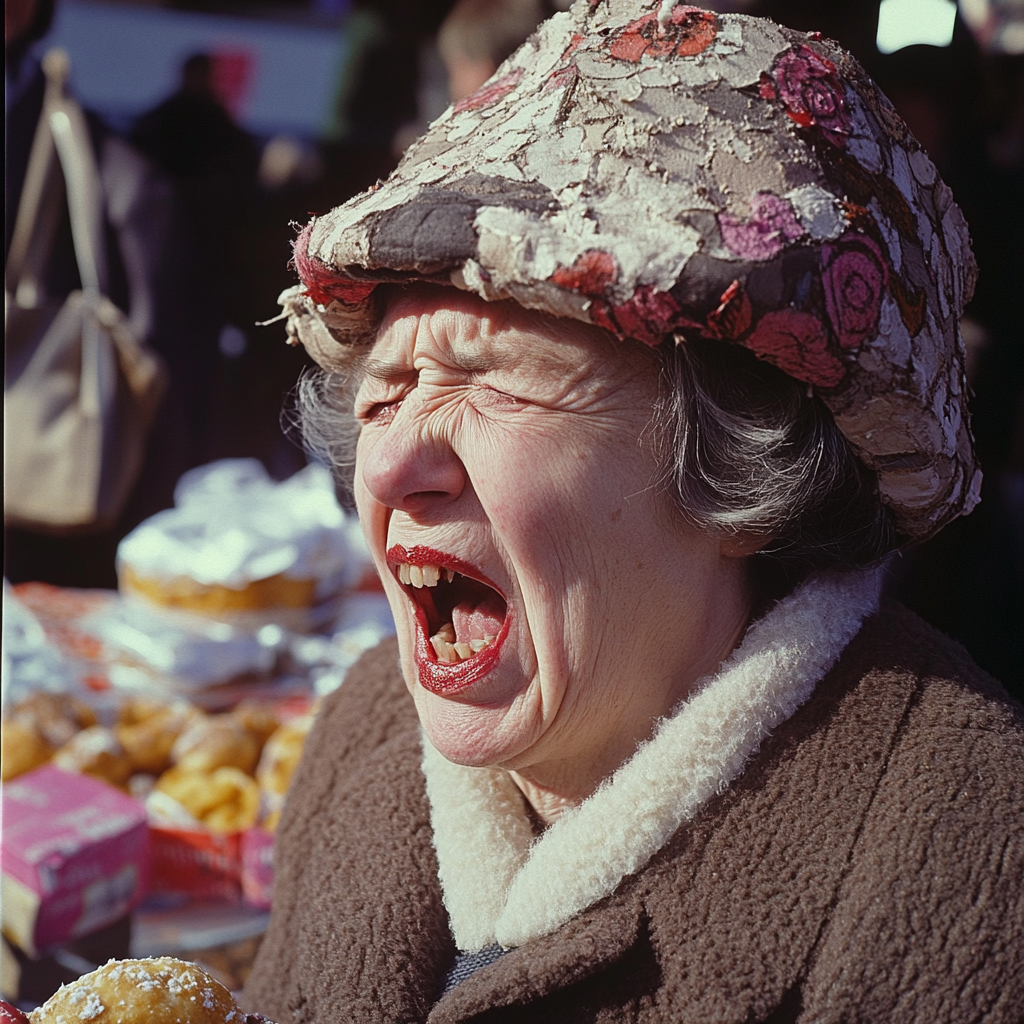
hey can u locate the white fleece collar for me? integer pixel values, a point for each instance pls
(502, 884)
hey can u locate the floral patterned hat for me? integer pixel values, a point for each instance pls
(660, 170)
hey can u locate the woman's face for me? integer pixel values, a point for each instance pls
(501, 464)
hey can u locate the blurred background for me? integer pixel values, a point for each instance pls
(251, 116)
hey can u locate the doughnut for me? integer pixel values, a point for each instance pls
(224, 800)
(22, 748)
(95, 751)
(281, 755)
(214, 742)
(55, 716)
(148, 740)
(258, 717)
(159, 989)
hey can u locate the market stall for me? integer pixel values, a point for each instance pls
(150, 733)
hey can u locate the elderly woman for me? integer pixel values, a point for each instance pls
(654, 354)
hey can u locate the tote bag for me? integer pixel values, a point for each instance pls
(80, 389)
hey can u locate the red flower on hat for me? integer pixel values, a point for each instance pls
(690, 30)
(809, 86)
(323, 284)
(854, 276)
(591, 273)
(490, 92)
(797, 343)
(647, 316)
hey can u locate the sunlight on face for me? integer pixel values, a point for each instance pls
(509, 499)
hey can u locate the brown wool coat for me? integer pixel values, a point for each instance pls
(868, 866)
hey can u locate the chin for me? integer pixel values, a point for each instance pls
(474, 735)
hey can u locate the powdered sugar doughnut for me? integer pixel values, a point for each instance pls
(142, 992)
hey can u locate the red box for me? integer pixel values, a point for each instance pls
(200, 865)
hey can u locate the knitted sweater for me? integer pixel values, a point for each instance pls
(864, 863)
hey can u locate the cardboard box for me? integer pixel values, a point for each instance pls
(74, 857)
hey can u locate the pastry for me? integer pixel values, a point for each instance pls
(150, 739)
(242, 548)
(281, 755)
(216, 599)
(258, 717)
(141, 992)
(95, 751)
(224, 800)
(213, 742)
(56, 716)
(22, 748)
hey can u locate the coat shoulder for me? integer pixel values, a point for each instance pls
(929, 919)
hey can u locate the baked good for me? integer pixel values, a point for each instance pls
(281, 755)
(224, 800)
(149, 740)
(138, 709)
(95, 751)
(55, 716)
(242, 548)
(218, 599)
(280, 758)
(215, 741)
(258, 717)
(22, 748)
(141, 992)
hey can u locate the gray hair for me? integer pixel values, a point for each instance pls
(750, 450)
(745, 449)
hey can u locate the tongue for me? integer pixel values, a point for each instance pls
(477, 621)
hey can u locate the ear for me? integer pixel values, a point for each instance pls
(740, 545)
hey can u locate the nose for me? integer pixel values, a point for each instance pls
(409, 468)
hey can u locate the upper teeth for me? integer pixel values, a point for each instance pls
(423, 575)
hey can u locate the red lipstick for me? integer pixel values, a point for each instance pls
(445, 678)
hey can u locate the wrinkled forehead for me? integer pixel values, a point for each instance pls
(434, 322)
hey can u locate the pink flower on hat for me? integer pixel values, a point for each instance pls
(797, 343)
(809, 86)
(690, 31)
(771, 225)
(854, 276)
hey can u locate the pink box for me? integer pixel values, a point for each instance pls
(74, 857)
(258, 867)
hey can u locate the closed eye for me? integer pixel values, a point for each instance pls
(379, 413)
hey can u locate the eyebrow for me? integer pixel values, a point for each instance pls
(387, 370)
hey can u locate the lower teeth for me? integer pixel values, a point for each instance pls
(452, 651)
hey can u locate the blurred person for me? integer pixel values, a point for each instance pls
(479, 34)
(213, 163)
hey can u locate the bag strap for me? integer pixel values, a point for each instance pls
(63, 134)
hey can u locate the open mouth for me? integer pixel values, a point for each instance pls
(461, 618)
